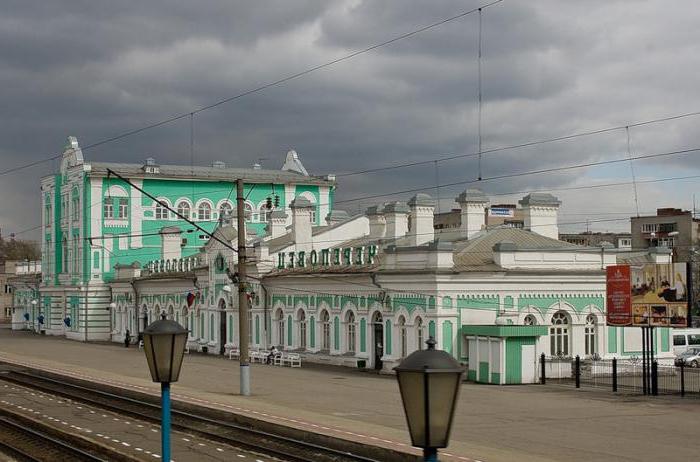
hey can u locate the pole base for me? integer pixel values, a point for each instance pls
(430, 455)
(245, 380)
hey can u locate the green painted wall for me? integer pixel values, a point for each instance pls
(447, 336)
(312, 330)
(387, 333)
(612, 339)
(363, 335)
(665, 340)
(431, 329)
(495, 378)
(336, 333)
(483, 372)
(289, 330)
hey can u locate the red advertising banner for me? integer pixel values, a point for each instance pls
(619, 295)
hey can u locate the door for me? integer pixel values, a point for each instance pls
(378, 344)
(528, 364)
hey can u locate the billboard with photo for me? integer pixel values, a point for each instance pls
(659, 295)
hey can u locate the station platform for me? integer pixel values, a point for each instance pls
(492, 423)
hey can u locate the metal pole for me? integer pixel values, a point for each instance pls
(430, 455)
(85, 327)
(242, 296)
(682, 377)
(578, 371)
(652, 371)
(165, 421)
(644, 360)
(614, 374)
(543, 375)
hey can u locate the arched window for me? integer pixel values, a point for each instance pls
(183, 208)
(350, 329)
(280, 328)
(204, 211)
(302, 329)
(326, 330)
(162, 212)
(590, 335)
(530, 320)
(265, 213)
(248, 212)
(225, 212)
(559, 335)
(402, 336)
(420, 334)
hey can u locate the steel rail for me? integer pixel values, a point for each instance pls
(45, 438)
(116, 403)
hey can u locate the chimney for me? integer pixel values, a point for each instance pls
(396, 215)
(171, 238)
(540, 214)
(301, 222)
(277, 224)
(422, 208)
(473, 203)
(336, 216)
(377, 222)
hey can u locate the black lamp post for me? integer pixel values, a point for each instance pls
(429, 381)
(164, 345)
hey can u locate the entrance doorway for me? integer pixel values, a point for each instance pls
(378, 343)
(222, 327)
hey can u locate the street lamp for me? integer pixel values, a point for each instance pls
(429, 382)
(164, 344)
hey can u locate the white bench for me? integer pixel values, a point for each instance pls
(293, 359)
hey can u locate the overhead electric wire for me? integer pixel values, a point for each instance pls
(526, 173)
(266, 85)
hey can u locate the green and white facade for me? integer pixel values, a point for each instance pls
(367, 290)
(93, 223)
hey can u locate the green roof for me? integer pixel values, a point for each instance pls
(505, 331)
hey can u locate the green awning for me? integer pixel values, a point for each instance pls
(504, 331)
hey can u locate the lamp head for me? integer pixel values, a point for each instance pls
(164, 344)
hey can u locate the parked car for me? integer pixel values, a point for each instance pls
(691, 357)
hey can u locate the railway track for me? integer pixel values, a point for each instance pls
(287, 444)
(24, 441)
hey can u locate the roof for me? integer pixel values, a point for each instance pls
(476, 254)
(209, 173)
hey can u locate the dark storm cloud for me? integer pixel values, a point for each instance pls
(96, 69)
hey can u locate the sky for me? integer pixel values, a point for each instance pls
(549, 69)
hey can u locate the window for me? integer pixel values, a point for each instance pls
(76, 209)
(559, 335)
(123, 209)
(420, 334)
(64, 255)
(326, 331)
(530, 320)
(590, 335)
(162, 212)
(265, 213)
(64, 208)
(225, 213)
(108, 208)
(47, 212)
(312, 215)
(302, 329)
(248, 212)
(280, 328)
(694, 339)
(650, 227)
(183, 208)
(350, 326)
(402, 335)
(204, 211)
(678, 340)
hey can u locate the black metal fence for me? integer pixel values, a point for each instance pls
(621, 375)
